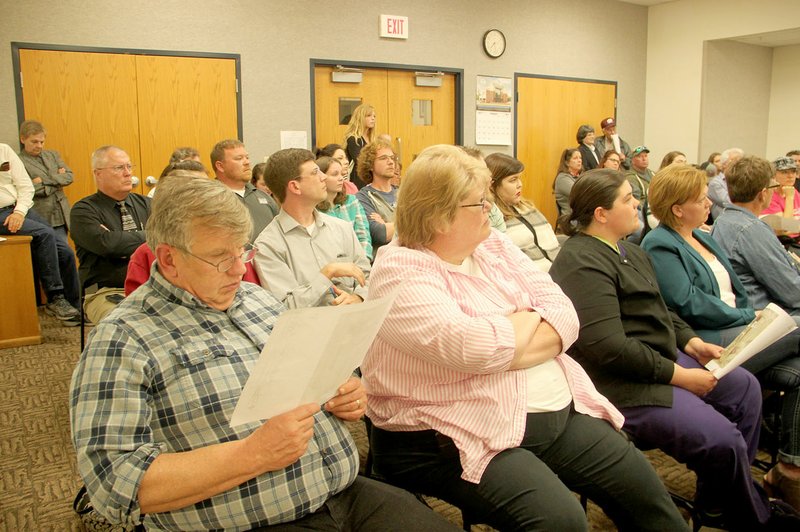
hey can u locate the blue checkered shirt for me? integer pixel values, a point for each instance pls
(161, 374)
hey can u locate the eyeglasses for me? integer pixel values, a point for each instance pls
(119, 168)
(386, 158)
(314, 173)
(484, 205)
(772, 184)
(224, 265)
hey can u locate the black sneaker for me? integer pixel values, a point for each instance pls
(62, 310)
(712, 519)
(782, 517)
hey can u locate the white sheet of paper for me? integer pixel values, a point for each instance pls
(780, 223)
(310, 353)
(294, 139)
(757, 336)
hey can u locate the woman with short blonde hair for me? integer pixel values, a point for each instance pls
(452, 417)
(699, 283)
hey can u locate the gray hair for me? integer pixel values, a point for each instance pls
(182, 202)
(30, 127)
(725, 156)
(100, 155)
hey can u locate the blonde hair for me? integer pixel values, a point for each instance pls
(438, 180)
(674, 185)
(356, 127)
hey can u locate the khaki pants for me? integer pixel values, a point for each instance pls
(97, 306)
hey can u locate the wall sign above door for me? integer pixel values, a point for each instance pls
(394, 27)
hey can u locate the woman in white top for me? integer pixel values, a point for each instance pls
(525, 225)
(698, 282)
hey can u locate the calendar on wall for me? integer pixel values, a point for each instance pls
(493, 127)
(493, 99)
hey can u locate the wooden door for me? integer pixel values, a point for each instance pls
(420, 116)
(85, 100)
(549, 112)
(332, 99)
(393, 93)
(183, 101)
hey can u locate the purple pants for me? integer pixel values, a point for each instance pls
(716, 436)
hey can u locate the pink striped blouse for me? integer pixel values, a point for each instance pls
(441, 358)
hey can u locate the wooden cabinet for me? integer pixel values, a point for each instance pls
(19, 324)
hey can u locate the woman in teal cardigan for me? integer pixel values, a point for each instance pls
(699, 284)
(690, 286)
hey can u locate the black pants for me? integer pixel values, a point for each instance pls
(369, 505)
(528, 487)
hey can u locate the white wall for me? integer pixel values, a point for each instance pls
(599, 39)
(676, 33)
(735, 97)
(783, 134)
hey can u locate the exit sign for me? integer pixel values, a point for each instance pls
(394, 27)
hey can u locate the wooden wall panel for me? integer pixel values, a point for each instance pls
(184, 101)
(84, 100)
(549, 112)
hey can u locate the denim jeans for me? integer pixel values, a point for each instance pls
(53, 259)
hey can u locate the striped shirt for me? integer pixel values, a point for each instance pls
(162, 374)
(441, 358)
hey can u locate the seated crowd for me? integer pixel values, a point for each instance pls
(518, 363)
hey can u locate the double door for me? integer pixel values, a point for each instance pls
(414, 116)
(146, 104)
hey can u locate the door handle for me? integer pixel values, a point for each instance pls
(399, 148)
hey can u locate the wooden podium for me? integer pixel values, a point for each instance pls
(19, 322)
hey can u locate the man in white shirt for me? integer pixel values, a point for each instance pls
(53, 259)
(307, 258)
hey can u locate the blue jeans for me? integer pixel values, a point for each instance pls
(53, 259)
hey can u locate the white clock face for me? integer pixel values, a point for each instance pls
(494, 42)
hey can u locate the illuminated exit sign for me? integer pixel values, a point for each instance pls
(394, 27)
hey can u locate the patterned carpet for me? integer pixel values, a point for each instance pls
(39, 480)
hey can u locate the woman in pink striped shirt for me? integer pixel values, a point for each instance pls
(471, 396)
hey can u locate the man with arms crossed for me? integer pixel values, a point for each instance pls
(376, 164)
(107, 227)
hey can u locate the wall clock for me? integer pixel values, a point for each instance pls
(494, 43)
